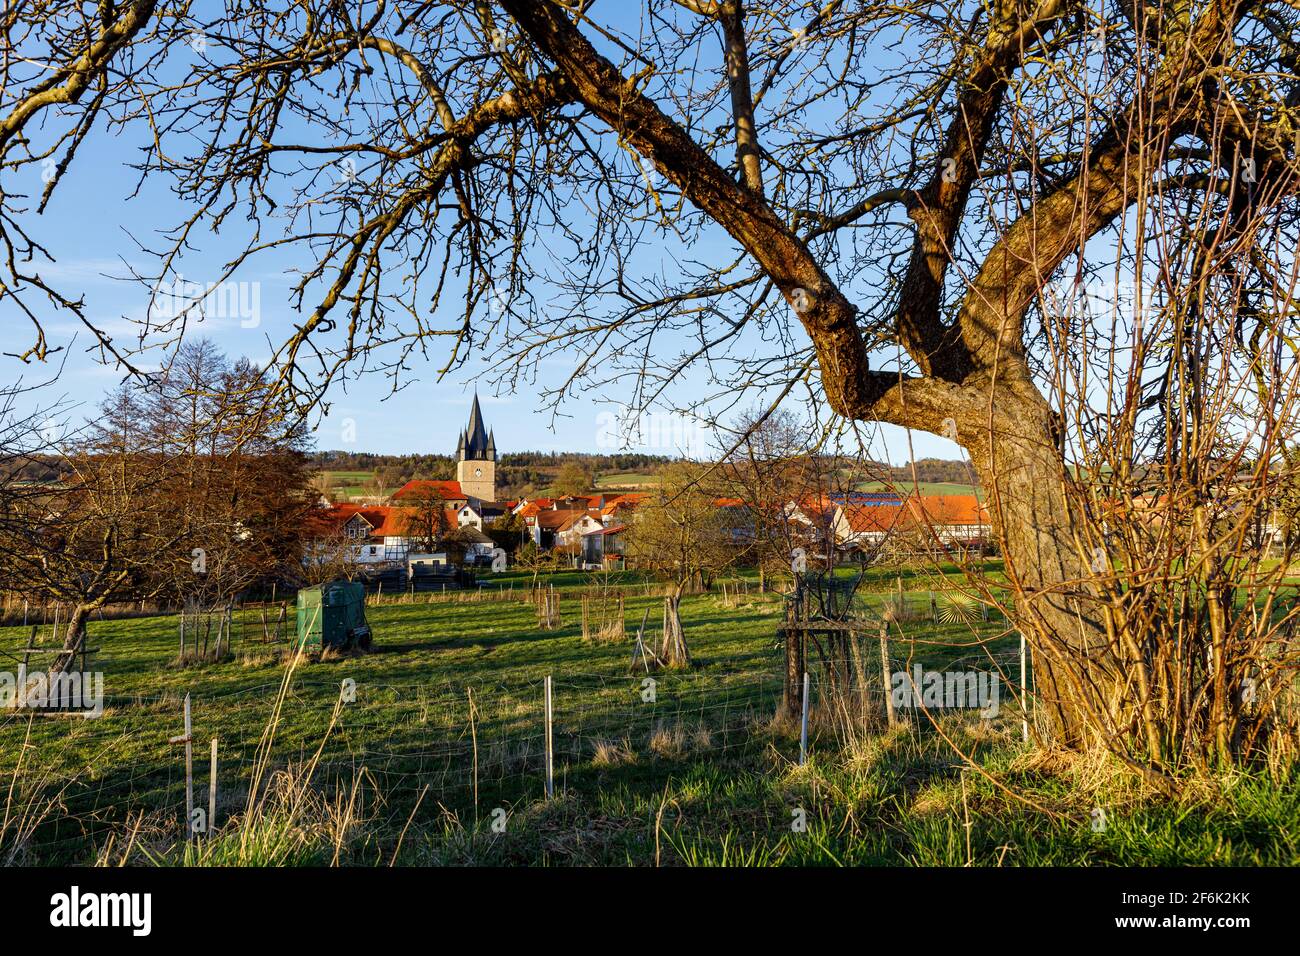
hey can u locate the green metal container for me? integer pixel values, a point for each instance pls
(333, 616)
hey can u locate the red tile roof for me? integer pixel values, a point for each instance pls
(817, 507)
(564, 519)
(627, 502)
(950, 510)
(382, 519)
(386, 521)
(871, 519)
(937, 510)
(449, 490)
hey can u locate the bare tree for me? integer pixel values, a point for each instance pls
(768, 465)
(29, 440)
(884, 228)
(186, 491)
(98, 539)
(328, 555)
(424, 517)
(681, 532)
(238, 487)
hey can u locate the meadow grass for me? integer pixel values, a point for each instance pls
(439, 758)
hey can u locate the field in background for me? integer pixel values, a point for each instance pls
(352, 484)
(445, 738)
(349, 483)
(625, 482)
(924, 487)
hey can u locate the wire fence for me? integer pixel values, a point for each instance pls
(465, 750)
(469, 748)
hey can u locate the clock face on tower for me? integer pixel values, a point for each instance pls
(478, 472)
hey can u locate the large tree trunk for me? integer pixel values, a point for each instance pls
(1047, 558)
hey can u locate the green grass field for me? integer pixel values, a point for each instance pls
(440, 758)
(625, 482)
(349, 483)
(925, 487)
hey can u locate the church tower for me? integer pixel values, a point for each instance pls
(476, 458)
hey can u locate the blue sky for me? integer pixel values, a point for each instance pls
(89, 225)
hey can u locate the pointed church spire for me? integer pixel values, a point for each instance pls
(476, 440)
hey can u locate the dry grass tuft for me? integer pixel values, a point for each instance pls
(668, 742)
(679, 740)
(610, 754)
(863, 752)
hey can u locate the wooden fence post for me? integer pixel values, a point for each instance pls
(639, 648)
(188, 740)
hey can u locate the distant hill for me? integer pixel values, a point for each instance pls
(356, 474)
(518, 473)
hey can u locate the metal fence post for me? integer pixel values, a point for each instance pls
(550, 753)
(886, 683)
(1024, 703)
(212, 789)
(803, 730)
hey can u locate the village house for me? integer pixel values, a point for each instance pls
(814, 519)
(617, 509)
(861, 521)
(389, 534)
(566, 522)
(378, 533)
(868, 522)
(555, 527)
(592, 528)
(604, 547)
(864, 524)
(954, 520)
